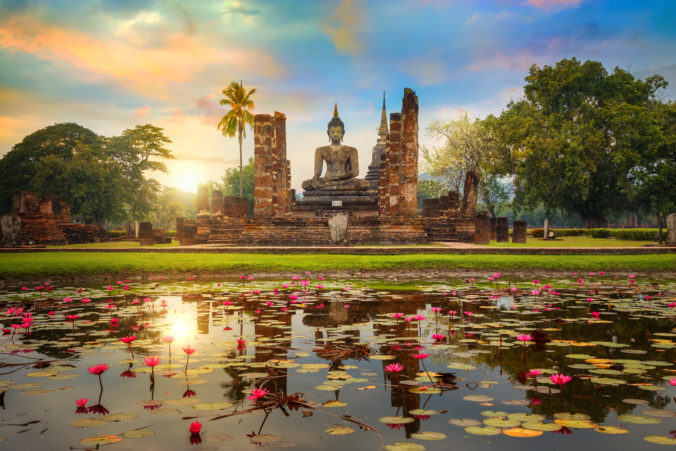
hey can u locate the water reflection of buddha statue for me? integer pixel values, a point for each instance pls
(342, 163)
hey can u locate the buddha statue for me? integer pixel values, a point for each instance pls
(342, 163)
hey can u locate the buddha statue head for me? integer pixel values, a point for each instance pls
(336, 128)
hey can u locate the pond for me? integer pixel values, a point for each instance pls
(308, 363)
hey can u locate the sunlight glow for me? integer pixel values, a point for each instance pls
(186, 181)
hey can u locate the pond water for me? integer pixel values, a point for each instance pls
(469, 364)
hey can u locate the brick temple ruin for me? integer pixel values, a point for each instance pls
(385, 213)
(47, 221)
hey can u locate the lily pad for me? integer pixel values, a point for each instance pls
(485, 430)
(101, 440)
(340, 430)
(428, 435)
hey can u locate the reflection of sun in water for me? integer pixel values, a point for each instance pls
(182, 326)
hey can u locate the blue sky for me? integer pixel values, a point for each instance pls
(113, 64)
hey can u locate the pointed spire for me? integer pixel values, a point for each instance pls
(382, 131)
(335, 110)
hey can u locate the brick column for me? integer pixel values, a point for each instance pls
(469, 196)
(217, 203)
(502, 230)
(393, 151)
(408, 180)
(263, 136)
(519, 232)
(482, 228)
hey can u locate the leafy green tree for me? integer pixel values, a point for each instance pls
(243, 180)
(573, 141)
(235, 120)
(136, 150)
(19, 165)
(93, 187)
(467, 145)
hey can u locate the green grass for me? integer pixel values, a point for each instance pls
(574, 241)
(16, 265)
(112, 245)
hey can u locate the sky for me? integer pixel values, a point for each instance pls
(110, 65)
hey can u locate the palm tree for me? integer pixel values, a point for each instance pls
(238, 117)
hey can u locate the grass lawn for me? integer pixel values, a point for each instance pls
(574, 241)
(17, 265)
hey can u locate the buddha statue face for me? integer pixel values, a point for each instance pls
(336, 134)
(335, 130)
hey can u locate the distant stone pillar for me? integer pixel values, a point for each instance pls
(203, 210)
(408, 180)
(502, 230)
(188, 233)
(519, 232)
(10, 227)
(494, 228)
(671, 228)
(393, 151)
(179, 228)
(216, 203)
(482, 228)
(470, 193)
(145, 234)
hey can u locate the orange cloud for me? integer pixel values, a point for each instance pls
(552, 4)
(151, 71)
(142, 112)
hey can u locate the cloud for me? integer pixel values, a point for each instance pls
(345, 26)
(519, 60)
(554, 4)
(142, 112)
(151, 71)
(209, 107)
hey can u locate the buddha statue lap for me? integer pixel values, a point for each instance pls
(342, 163)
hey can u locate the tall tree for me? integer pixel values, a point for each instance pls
(574, 139)
(232, 179)
(235, 120)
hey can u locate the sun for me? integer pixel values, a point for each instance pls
(187, 181)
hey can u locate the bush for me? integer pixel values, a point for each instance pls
(625, 234)
(116, 233)
(537, 233)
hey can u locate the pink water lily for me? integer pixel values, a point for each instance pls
(257, 393)
(560, 379)
(394, 367)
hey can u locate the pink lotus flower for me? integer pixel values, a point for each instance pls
(397, 315)
(81, 402)
(452, 312)
(128, 340)
(168, 339)
(421, 356)
(596, 315)
(418, 317)
(98, 369)
(672, 382)
(438, 337)
(241, 342)
(524, 338)
(188, 350)
(257, 393)
(436, 309)
(195, 427)
(533, 373)
(152, 361)
(394, 367)
(72, 317)
(560, 379)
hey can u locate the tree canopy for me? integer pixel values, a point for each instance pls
(102, 179)
(576, 140)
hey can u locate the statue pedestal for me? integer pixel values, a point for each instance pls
(321, 202)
